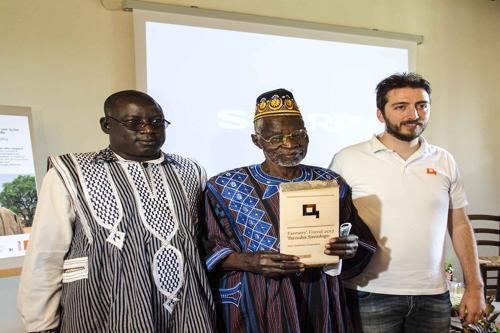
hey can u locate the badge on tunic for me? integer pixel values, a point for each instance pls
(431, 171)
(116, 238)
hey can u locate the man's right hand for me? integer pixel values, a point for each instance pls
(270, 264)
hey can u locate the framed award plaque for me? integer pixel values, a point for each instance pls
(309, 216)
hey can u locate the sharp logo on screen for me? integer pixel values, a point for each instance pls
(187, 82)
(310, 210)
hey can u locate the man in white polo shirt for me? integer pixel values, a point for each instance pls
(409, 193)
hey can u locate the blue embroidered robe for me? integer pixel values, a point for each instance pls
(242, 215)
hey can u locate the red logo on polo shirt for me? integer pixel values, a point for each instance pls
(431, 171)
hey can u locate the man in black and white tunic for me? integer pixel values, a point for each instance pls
(114, 242)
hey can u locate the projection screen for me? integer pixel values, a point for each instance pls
(207, 71)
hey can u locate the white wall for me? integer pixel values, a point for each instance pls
(63, 57)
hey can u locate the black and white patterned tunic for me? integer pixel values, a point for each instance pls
(133, 264)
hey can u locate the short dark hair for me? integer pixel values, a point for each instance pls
(395, 81)
(127, 95)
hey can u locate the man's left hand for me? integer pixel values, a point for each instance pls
(344, 247)
(472, 305)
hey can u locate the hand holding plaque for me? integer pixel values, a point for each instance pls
(345, 246)
(270, 264)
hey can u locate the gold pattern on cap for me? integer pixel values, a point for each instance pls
(276, 106)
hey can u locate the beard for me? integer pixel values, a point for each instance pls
(287, 161)
(395, 130)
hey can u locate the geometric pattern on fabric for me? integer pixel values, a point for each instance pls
(248, 216)
(99, 191)
(190, 179)
(273, 183)
(308, 302)
(231, 295)
(154, 207)
(155, 212)
(141, 306)
(168, 273)
(324, 174)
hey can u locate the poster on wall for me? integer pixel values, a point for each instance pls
(18, 196)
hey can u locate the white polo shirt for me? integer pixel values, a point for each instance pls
(405, 204)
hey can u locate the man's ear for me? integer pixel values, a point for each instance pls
(380, 116)
(104, 125)
(255, 140)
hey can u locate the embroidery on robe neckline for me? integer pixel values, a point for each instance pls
(154, 207)
(273, 183)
